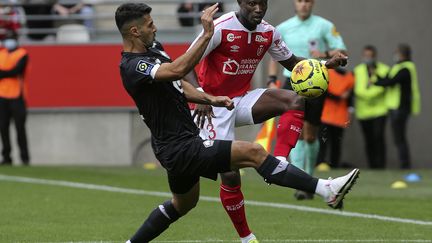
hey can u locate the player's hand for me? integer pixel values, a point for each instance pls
(223, 101)
(200, 114)
(337, 60)
(207, 20)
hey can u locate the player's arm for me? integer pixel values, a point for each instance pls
(186, 62)
(197, 96)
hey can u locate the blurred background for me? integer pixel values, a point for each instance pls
(79, 113)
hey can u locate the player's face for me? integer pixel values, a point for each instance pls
(252, 12)
(147, 31)
(303, 8)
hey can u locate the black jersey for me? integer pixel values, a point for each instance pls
(162, 105)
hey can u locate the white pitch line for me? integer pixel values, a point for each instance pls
(270, 240)
(209, 199)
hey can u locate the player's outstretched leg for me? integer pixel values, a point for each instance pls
(165, 214)
(280, 172)
(233, 202)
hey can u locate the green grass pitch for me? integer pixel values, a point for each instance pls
(34, 212)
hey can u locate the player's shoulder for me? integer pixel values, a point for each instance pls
(133, 64)
(321, 20)
(287, 23)
(225, 21)
(264, 26)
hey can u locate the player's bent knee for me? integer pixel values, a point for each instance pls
(231, 178)
(257, 153)
(298, 103)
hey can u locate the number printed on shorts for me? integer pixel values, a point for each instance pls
(210, 129)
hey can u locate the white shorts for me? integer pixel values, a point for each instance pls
(225, 121)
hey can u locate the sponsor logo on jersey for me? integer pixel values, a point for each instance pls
(208, 143)
(245, 67)
(231, 67)
(235, 48)
(231, 37)
(144, 67)
(260, 50)
(260, 39)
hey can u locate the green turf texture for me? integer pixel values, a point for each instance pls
(47, 213)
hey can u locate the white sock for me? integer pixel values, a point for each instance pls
(321, 188)
(128, 241)
(281, 158)
(248, 238)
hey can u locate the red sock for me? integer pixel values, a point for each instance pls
(288, 132)
(233, 202)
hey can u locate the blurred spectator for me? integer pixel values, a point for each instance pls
(193, 10)
(335, 116)
(65, 8)
(9, 19)
(370, 106)
(35, 8)
(403, 99)
(13, 62)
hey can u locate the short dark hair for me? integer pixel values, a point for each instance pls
(128, 12)
(372, 49)
(405, 50)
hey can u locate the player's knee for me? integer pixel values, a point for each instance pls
(184, 207)
(309, 138)
(231, 178)
(257, 153)
(298, 103)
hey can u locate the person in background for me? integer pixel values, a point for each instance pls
(335, 116)
(309, 36)
(190, 8)
(403, 99)
(13, 63)
(370, 106)
(65, 9)
(41, 8)
(9, 20)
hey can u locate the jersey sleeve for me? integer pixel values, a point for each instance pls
(213, 43)
(142, 70)
(332, 37)
(278, 49)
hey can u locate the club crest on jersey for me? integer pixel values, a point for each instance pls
(144, 67)
(235, 48)
(231, 37)
(231, 67)
(260, 39)
(260, 50)
(208, 143)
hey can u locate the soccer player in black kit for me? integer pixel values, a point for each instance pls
(155, 84)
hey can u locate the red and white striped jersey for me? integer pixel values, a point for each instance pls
(234, 53)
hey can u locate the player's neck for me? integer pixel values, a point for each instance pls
(305, 17)
(245, 23)
(131, 46)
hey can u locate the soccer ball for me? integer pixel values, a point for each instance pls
(309, 78)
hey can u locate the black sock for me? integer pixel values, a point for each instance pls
(285, 174)
(156, 223)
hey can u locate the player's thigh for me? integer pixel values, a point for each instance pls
(275, 102)
(222, 126)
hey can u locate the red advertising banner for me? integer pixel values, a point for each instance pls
(79, 75)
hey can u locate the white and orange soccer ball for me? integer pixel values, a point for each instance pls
(309, 78)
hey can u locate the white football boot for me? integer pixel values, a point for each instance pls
(339, 187)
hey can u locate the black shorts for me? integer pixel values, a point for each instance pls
(187, 161)
(313, 107)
